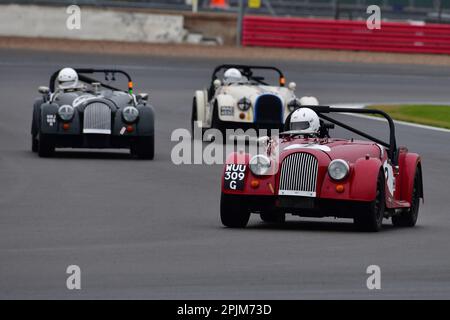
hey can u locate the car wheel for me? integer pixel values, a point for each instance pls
(34, 144)
(46, 148)
(273, 217)
(35, 126)
(372, 219)
(233, 212)
(409, 217)
(144, 148)
(194, 118)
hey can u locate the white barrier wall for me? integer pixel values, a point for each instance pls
(96, 24)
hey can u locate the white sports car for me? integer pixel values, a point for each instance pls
(239, 99)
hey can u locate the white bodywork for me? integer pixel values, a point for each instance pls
(227, 97)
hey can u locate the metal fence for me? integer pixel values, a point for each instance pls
(428, 10)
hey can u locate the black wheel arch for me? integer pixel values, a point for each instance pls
(146, 122)
(421, 193)
(35, 122)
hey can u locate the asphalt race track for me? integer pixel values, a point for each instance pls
(151, 229)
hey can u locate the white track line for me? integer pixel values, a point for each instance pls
(409, 124)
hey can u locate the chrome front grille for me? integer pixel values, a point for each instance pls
(97, 118)
(298, 175)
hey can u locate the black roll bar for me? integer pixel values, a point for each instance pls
(82, 71)
(391, 145)
(247, 69)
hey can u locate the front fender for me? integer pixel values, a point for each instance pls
(409, 164)
(365, 179)
(35, 122)
(51, 124)
(201, 98)
(145, 126)
(361, 185)
(49, 118)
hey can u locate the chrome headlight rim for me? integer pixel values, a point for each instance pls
(130, 114)
(244, 104)
(66, 112)
(255, 165)
(344, 164)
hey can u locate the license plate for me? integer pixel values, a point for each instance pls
(226, 111)
(234, 176)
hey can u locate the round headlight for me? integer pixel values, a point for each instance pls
(244, 104)
(66, 112)
(338, 169)
(130, 114)
(259, 165)
(294, 105)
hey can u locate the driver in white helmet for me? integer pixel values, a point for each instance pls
(305, 121)
(68, 79)
(232, 75)
(309, 101)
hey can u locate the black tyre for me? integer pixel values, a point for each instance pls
(273, 217)
(34, 144)
(233, 211)
(215, 122)
(36, 117)
(409, 217)
(46, 148)
(144, 148)
(35, 125)
(193, 117)
(372, 219)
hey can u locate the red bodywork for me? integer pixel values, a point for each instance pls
(364, 158)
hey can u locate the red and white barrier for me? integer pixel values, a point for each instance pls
(345, 35)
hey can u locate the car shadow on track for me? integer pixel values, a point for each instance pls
(102, 155)
(313, 226)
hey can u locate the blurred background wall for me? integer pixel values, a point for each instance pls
(426, 10)
(418, 26)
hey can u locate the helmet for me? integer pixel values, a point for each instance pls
(309, 101)
(232, 75)
(305, 120)
(67, 78)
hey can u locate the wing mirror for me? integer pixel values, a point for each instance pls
(217, 83)
(292, 86)
(43, 90)
(143, 96)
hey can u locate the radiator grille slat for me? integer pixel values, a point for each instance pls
(97, 118)
(298, 175)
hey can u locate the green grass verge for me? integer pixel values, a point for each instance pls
(432, 115)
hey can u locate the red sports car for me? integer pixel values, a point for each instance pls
(313, 175)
